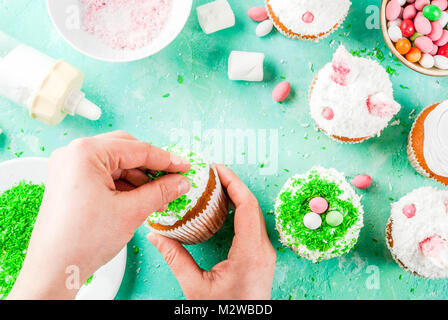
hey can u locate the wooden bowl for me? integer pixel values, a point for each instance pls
(434, 72)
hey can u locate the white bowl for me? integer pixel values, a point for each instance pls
(66, 16)
(107, 279)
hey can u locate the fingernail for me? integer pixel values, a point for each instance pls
(175, 159)
(184, 186)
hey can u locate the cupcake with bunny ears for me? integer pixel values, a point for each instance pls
(351, 99)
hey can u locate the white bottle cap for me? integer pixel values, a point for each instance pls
(76, 103)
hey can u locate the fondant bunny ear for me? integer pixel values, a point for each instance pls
(344, 70)
(381, 105)
(435, 248)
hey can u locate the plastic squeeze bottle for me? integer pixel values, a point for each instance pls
(50, 89)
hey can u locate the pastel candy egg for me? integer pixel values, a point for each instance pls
(434, 50)
(420, 4)
(409, 210)
(318, 205)
(443, 39)
(334, 218)
(393, 10)
(362, 181)
(424, 44)
(432, 12)
(308, 17)
(402, 2)
(415, 36)
(442, 4)
(409, 12)
(394, 33)
(281, 91)
(444, 19)
(396, 22)
(427, 61)
(257, 14)
(441, 62)
(436, 32)
(264, 28)
(422, 25)
(328, 113)
(443, 51)
(312, 221)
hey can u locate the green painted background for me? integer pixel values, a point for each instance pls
(131, 97)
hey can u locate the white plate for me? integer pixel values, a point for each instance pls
(107, 280)
(66, 16)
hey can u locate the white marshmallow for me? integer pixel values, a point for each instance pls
(215, 16)
(264, 28)
(246, 66)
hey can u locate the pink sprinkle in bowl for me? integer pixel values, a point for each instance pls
(67, 18)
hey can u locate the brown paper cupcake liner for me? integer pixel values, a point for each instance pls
(203, 224)
(343, 140)
(418, 163)
(296, 36)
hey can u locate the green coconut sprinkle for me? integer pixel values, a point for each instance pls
(295, 205)
(19, 207)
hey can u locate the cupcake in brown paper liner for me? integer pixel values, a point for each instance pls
(196, 216)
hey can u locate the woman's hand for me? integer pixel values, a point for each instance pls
(249, 270)
(96, 197)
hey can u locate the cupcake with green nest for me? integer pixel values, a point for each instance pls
(318, 214)
(198, 215)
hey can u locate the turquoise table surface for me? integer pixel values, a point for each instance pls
(134, 97)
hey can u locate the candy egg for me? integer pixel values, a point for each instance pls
(436, 32)
(444, 19)
(434, 50)
(312, 221)
(441, 62)
(396, 22)
(422, 25)
(443, 51)
(415, 36)
(432, 12)
(427, 61)
(318, 205)
(281, 91)
(409, 12)
(443, 39)
(395, 33)
(407, 28)
(264, 28)
(442, 4)
(409, 210)
(334, 218)
(362, 181)
(404, 45)
(308, 17)
(393, 10)
(420, 4)
(328, 113)
(257, 14)
(414, 55)
(424, 44)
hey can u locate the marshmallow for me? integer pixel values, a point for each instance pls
(246, 66)
(215, 16)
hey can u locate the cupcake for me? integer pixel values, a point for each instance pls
(417, 233)
(318, 214)
(351, 99)
(305, 19)
(428, 143)
(196, 216)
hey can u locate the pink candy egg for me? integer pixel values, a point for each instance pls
(281, 91)
(443, 39)
(442, 4)
(434, 50)
(258, 13)
(436, 32)
(362, 181)
(420, 4)
(328, 113)
(393, 10)
(318, 205)
(422, 25)
(409, 12)
(409, 210)
(424, 44)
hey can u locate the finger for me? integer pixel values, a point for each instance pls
(249, 220)
(119, 134)
(134, 176)
(129, 154)
(151, 197)
(180, 261)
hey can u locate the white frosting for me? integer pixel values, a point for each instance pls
(435, 147)
(199, 181)
(431, 219)
(348, 194)
(365, 81)
(327, 13)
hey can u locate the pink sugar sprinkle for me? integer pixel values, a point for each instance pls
(125, 24)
